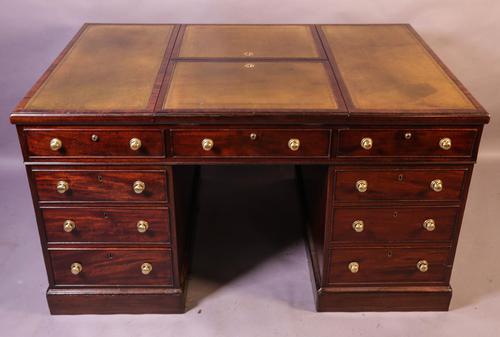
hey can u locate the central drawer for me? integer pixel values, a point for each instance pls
(106, 224)
(397, 184)
(379, 265)
(251, 143)
(119, 266)
(101, 185)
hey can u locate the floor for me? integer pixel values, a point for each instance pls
(259, 284)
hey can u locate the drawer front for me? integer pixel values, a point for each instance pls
(81, 142)
(111, 267)
(251, 143)
(429, 224)
(85, 224)
(101, 185)
(399, 184)
(380, 265)
(407, 143)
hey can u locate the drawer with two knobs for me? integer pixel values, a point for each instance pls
(441, 143)
(402, 265)
(111, 266)
(100, 185)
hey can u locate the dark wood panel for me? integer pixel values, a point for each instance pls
(106, 224)
(101, 185)
(112, 266)
(386, 299)
(96, 142)
(389, 224)
(407, 142)
(240, 143)
(381, 265)
(399, 184)
(77, 301)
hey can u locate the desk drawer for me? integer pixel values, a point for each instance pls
(101, 185)
(123, 266)
(251, 143)
(399, 184)
(100, 224)
(429, 224)
(440, 143)
(84, 142)
(378, 265)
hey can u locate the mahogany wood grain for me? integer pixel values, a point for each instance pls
(237, 143)
(349, 299)
(388, 264)
(394, 183)
(421, 143)
(106, 224)
(77, 142)
(100, 185)
(77, 301)
(393, 223)
(112, 266)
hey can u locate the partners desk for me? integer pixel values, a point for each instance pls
(383, 136)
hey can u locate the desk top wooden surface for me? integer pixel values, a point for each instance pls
(329, 72)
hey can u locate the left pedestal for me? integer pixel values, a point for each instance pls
(112, 233)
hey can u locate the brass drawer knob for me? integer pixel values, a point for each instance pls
(429, 225)
(76, 268)
(437, 185)
(366, 143)
(142, 226)
(62, 186)
(445, 143)
(423, 266)
(358, 226)
(69, 226)
(139, 186)
(362, 186)
(353, 267)
(294, 144)
(55, 144)
(146, 268)
(207, 144)
(135, 144)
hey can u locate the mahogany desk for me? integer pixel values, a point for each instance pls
(383, 135)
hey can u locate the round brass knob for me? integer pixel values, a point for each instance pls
(437, 185)
(423, 266)
(207, 144)
(445, 143)
(62, 186)
(69, 226)
(294, 144)
(362, 185)
(142, 226)
(429, 225)
(408, 135)
(253, 136)
(366, 143)
(358, 226)
(55, 144)
(139, 186)
(76, 268)
(135, 144)
(353, 267)
(146, 268)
